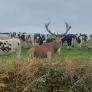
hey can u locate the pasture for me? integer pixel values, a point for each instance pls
(42, 76)
(80, 54)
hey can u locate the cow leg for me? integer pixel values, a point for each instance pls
(72, 42)
(80, 44)
(69, 44)
(62, 43)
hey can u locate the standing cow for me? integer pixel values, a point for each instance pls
(10, 45)
(69, 39)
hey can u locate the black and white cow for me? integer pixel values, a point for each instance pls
(39, 38)
(49, 39)
(10, 45)
(81, 39)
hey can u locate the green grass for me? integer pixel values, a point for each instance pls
(74, 53)
(81, 54)
(24, 54)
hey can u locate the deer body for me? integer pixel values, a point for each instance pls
(41, 51)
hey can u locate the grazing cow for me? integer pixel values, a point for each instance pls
(41, 39)
(25, 39)
(38, 39)
(13, 34)
(10, 45)
(81, 39)
(41, 51)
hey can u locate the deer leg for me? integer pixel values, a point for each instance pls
(49, 55)
(31, 53)
(59, 51)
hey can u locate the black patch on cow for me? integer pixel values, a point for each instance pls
(4, 43)
(8, 49)
(1, 43)
(23, 37)
(78, 40)
(5, 49)
(18, 44)
(9, 44)
(48, 40)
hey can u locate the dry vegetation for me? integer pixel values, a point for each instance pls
(43, 76)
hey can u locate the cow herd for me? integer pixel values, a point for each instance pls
(42, 43)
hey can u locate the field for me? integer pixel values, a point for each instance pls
(80, 54)
(71, 71)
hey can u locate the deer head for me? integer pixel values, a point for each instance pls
(56, 36)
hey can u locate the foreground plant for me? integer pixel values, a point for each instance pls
(43, 76)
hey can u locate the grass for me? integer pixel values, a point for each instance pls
(21, 75)
(43, 76)
(80, 54)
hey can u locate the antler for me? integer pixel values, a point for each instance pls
(48, 30)
(67, 29)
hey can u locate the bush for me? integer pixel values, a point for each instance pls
(43, 76)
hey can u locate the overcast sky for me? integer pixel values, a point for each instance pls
(31, 15)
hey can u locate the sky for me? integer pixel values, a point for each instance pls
(31, 15)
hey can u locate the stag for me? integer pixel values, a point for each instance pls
(41, 51)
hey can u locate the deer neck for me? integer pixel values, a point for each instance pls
(57, 43)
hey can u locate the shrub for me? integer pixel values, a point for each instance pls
(43, 76)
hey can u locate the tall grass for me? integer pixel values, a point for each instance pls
(43, 76)
(71, 71)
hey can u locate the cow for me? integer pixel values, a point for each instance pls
(81, 39)
(10, 45)
(69, 39)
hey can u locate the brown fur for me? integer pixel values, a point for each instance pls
(41, 51)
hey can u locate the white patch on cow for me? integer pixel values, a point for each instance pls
(14, 44)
